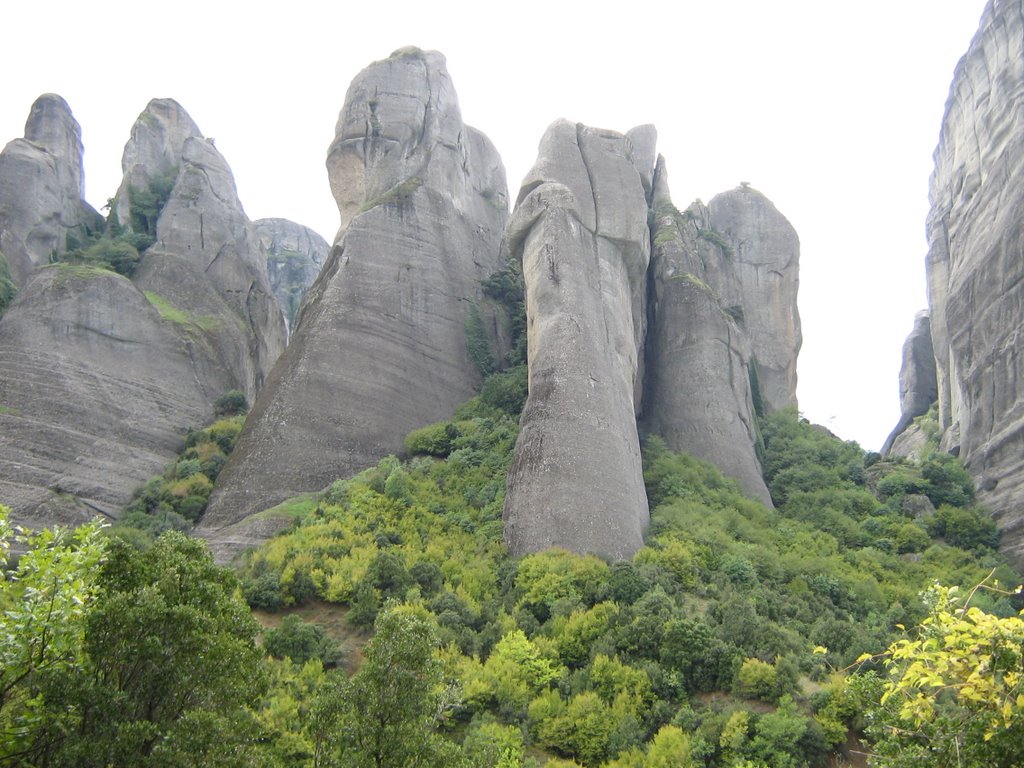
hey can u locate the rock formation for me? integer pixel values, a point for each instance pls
(580, 229)
(101, 375)
(918, 388)
(380, 347)
(721, 286)
(42, 208)
(976, 268)
(701, 372)
(294, 256)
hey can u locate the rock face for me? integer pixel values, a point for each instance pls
(763, 253)
(295, 255)
(976, 267)
(380, 345)
(678, 338)
(918, 388)
(701, 371)
(42, 208)
(100, 376)
(96, 391)
(207, 253)
(580, 229)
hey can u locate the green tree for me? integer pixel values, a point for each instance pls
(171, 665)
(393, 702)
(44, 601)
(955, 693)
(301, 641)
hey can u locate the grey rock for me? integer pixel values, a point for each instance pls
(154, 151)
(96, 393)
(918, 387)
(580, 229)
(41, 189)
(295, 255)
(975, 270)
(380, 346)
(765, 255)
(918, 506)
(698, 391)
(911, 443)
(204, 230)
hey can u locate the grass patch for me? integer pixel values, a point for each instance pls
(398, 194)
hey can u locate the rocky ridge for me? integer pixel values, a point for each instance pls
(295, 255)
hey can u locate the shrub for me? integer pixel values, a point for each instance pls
(301, 641)
(231, 403)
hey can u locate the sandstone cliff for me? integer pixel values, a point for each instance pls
(976, 270)
(42, 209)
(380, 346)
(918, 388)
(295, 255)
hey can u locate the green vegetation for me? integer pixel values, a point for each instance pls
(8, 290)
(477, 343)
(145, 205)
(177, 498)
(716, 646)
(716, 238)
(179, 317)
(507, 289)
(398, 194)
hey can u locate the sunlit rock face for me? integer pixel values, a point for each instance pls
(976, 267)
(295, 254)
(380, 345)
(42, 210)
(101, 375)
(918, 388)
(580, 229)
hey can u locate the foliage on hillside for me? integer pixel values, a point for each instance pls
(707, 640)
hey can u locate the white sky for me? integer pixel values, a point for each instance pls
(830, 109)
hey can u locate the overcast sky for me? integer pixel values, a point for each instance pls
(830, 109)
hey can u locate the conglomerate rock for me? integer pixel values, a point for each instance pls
(918, 388)
(295, 255)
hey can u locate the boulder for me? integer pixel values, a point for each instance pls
(380, 346)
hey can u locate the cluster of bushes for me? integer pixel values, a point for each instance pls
(700, 647)
(176, 499)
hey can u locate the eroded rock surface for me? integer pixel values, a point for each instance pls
(976, 267)
(699, 392)
(295, 255)
(42, 209)
(918, 388)
(580, 229)
(380, 346)
(101, 375)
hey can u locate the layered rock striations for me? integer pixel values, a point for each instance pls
(976, 267)
(295, 255)
(580, 229)
(42, 206)
(101, 375)
(380, 346)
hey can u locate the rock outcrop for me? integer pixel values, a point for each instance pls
(101, 375)
(295, 255)
(975, 268)
(678, 338)
(580, 229)
(701, 372)
(97, 387)
(918, 387)
(42, 208)
(380, 346)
